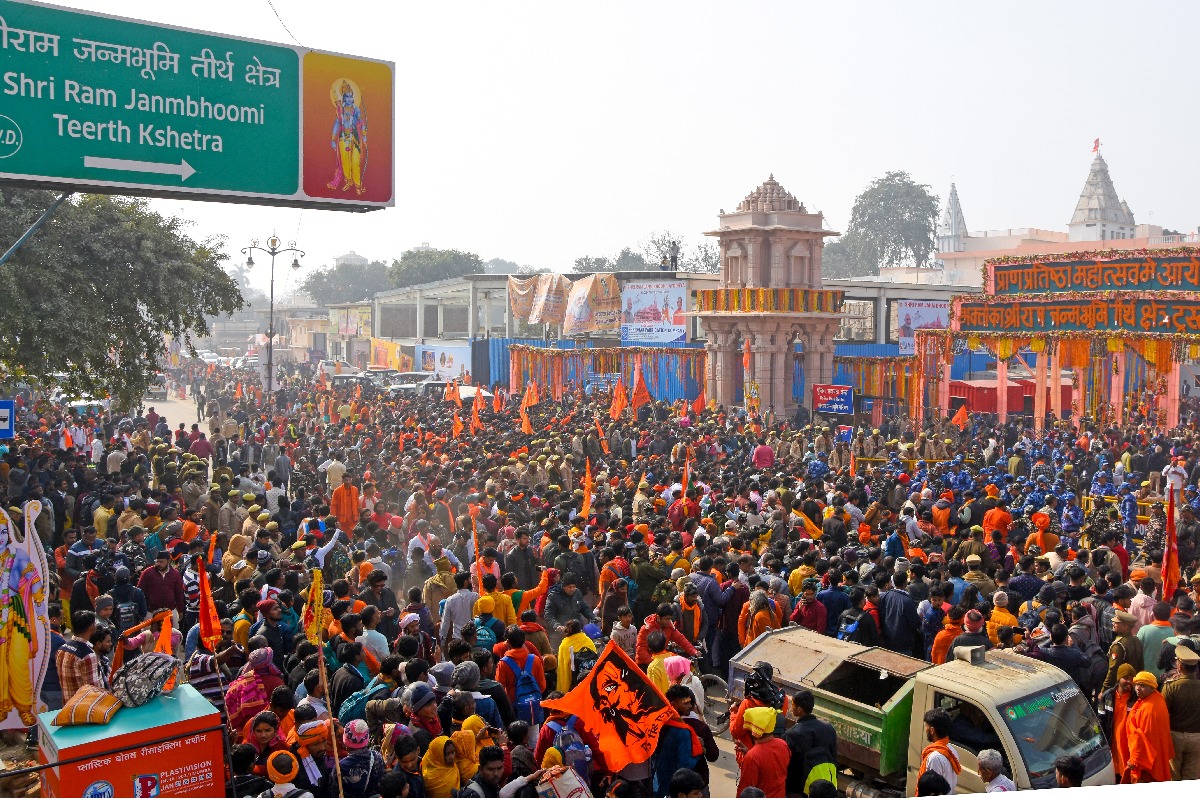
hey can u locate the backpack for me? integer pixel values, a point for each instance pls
(485, 637)
(630, 583)
(1097, 666)
(355, 706)
(575, 753)
(931, 624)
(527, 698)
(848, 627)
(1031, 614)
(125, 615)
(584, 660)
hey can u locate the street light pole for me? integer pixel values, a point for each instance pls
(272, 249)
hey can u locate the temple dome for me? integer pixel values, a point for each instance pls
(770, 196)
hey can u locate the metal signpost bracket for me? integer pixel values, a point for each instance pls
(34, 228)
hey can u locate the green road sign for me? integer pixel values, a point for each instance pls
(98, 103)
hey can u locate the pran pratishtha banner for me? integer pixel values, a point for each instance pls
(1140, 273)
(653, 311)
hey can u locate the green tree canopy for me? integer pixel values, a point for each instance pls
(96, 291)
(347, 282)
(415, 267)
(593, 264)
(893, 223)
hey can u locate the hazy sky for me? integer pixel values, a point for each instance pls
(539, 132)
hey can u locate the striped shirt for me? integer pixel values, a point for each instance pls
(202, 675)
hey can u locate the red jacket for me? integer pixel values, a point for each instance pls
(674, 636)
(508, 678)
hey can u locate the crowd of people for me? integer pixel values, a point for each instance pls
(474, 570)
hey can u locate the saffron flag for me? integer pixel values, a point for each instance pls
(619, 705)
(1170, 573)
(699, 404)
(619, 401)
(1096, 146)
(960, 417)
(686, 481)
(603, 438)
(641, 395)
(853, 466)
(476, 422)
(165, 645)
(585, 508)
(456, 428)
(210, 621)
(530, 398)
(497, 403)
(526, 425)
(314, 610)
(811, 528)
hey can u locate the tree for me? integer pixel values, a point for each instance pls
(848, 257)
(347, 282)
(593, 264)
(627, 261)
(658, 246)
(94, 294)
(894, 221)
(415, 267)
(705, 257)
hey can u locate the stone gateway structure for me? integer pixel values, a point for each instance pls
(770, 297)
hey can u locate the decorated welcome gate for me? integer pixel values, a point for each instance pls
(1118, 322)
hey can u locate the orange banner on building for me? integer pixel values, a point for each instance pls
(539, 299)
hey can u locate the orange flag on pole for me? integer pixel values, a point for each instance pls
(526, 425)
(1170, 573)
(210, 621)
(602, 437)
(165, 645)
(960, 417)
(620, 706)
(585, 508)
(497, 403)
(699, 404)
(456, 428)
(619, 400)
(476, 422)
(641, 395)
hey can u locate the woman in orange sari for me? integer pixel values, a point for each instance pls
(756, 617)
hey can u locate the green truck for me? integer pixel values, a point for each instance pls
(1028, 710)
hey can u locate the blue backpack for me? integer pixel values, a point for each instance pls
(528, 697)
(570, 745)
(485, 637)
(355, 706)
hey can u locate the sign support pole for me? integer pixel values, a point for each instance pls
(34, 228)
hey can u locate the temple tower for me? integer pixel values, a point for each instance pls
(770, 295)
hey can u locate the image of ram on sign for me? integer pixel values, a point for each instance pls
(830, 398)
(99, 103)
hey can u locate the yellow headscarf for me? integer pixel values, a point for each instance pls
(441, 779)
(760, 720)
(467, 750)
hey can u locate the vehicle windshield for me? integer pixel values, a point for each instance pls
(1052, 723)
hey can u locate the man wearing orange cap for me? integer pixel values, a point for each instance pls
(1148, 732)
